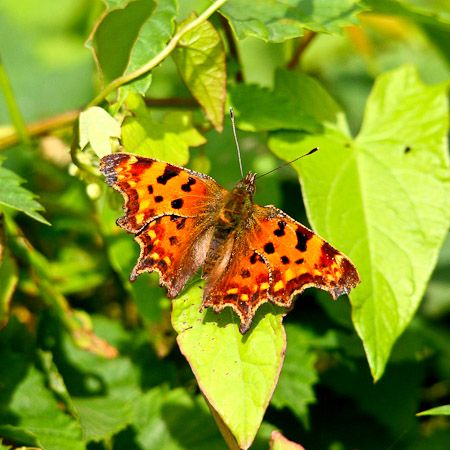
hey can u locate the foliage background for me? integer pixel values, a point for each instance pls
(63, 385)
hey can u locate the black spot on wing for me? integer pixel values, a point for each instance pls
(150, 189)
(173, 240)
(177, 204)
(300, 261)
(169, 172)
(245, 273)
(285, 260)
(280, 230)
(269, 248)
(159, 199)
(302, 239)
(187, 187)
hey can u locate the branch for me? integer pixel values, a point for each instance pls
(40, 128)
(306, 40)
(126, 78)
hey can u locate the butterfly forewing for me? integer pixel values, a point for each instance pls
(153, 188)
(298, 258)
(168, 208)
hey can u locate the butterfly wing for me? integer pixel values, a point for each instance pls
(298, 258)
(168, 209)
(273, 258)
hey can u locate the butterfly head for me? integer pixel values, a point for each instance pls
(248, 184)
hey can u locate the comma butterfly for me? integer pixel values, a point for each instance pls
(250, 254)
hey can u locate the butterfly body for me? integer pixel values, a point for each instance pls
(250, 254)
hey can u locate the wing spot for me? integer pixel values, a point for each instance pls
(244, 297)
(154, 256)
(285, 260)
(177, 204)
(152, 234)
(300, 261)
(173, 240)
(280, 230)
(169, 172)
(150, 189)
(254, 258)
(264, 286)
(187, 187)
(159, 199)
(245, 274)
(302, 239)
(167, 261)
(269, 248)
(162, 264)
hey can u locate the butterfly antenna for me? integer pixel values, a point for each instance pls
(237, 143)
(290, 162)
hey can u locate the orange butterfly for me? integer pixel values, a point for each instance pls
(250, 254)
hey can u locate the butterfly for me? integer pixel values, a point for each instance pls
(250, 254)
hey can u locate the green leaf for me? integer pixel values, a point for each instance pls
(278, 20)
(237, 374)
(15, 196)
(3, 446)
(261, 109)
(168, 141)
(102, 417)
(439, 410)
(38, 419)
(383, 200)
(55, 381)
(97, 127)
(279, 442)
(114, 35)
(174, 420)
(151, 41)
(295, 386)
(9, 277)
(200, 59)
(434, 12)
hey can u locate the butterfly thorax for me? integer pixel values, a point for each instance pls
(236, 205)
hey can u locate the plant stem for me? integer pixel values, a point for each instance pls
(126, 78)
(306, 40)
(40, 128)
(11, 103)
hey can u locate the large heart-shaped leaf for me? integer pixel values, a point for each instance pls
(382, 198)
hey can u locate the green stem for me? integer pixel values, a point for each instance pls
(11, 103)
(126, 78)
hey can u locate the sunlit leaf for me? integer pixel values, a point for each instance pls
(97, 127)
(278, 20)
(383, 200)
(200, 59)
(167, 141)
(237, 374)
(439, 410)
